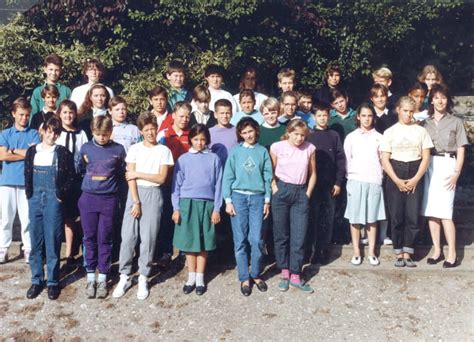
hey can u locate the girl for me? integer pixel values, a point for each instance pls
(247, 108)
(447, 158)
(102, 164)
(294, 166)
(418, 93)
(365, 205)
(50, 95)
(405, 157)
(73, 139)
(95, 104)
(196, 202)
(430, 75)
(49, 173)
(249, 81)
(246, 190)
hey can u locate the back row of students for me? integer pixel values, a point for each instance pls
(295, 176)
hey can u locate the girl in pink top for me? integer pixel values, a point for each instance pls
(365, 205)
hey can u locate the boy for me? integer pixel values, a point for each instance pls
(223, 135)
(270, 131)
(123, 133)
(50, 95)
(202, 114)
(52, 67)
(247, 105)
(286, 80)
(147, 168)
(384, 76)
(305, 104)
(214, 75)
(158, 99)
(378, 95)
(289, 103)
(330, 160)
(341, 117)
(176, 74)
(14, 142)
(333, 79)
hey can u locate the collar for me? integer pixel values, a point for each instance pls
(103, 146)
(99, 112)
(361, 131)
(266, 125)
(120, 124)
(26, 129)
(192, 150)
(244, 144)
(201, 113)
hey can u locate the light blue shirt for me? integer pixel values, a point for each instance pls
(256, 115)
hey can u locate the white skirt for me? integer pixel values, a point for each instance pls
(437, 199)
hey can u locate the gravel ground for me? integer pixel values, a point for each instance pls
(350, 303)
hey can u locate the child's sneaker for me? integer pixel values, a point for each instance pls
(143, 291)
(123, 285)
(26, 255)
(90, 289)
(387, 241)
(102, 291)
(3, 255)
(365, 241)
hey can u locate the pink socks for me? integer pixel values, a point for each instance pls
(285, 273)
(295, 279)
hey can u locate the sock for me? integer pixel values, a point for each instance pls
(199, 279)
(295, 279)
(191, 278)
(90, 277)
(102, 278)
(285, 273)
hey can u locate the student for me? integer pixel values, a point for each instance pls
(158, 99)
(14, 142)
(418, 93)
(176, 75)
(342, 117)
(49, 174)
(124, 133)
(384, 76)
(223, 135)
(289, 104)
(270, 131)
(378, 95)
(305, 104)
(430, 75)
(94, 72)
(52, 68)
(202, 114)
(72, 139)
(147, 168)
(331, 162)
(246, 190)
(214, 75)
(405, 157)
(249, 80)
(365, 204)
(447, 159)
(50, 95)
(95, 104)
(292, 188)
(247, 105)
(286, 80)
(332, 77)
(102, 164)
(197, 199)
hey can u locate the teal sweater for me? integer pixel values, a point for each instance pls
(247, 169)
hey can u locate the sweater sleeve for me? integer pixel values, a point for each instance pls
(340, 162)
(178, 178)
(218, 192)
(28, 171)
(35, 100)
(348, 152)
(229, 177)
(267, 175)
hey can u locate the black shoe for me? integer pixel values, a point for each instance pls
(447, 264)
(246, 290)
(187, 289)
(432, 261)
(261, 285)
(34, 291)
(53, 292)
(200, 290)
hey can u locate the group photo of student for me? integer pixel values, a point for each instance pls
(281, 177)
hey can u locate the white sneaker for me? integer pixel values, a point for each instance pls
(3, 255)
(123, 285)
(356, 260)
(143, 291)
(387, 241)
(373, 260)
(26, 255)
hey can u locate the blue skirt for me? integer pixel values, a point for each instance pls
(364, 202)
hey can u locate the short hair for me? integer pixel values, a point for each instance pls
(331, 69)
(304, 93)
(271, 104)
(158, 90)
(335, 93)
(366, 105)
(201, 93)
(418, 86)
(22, 103)
(51, 90)
(405, 99)
(383, 72)
(67, 103)
(53, 59)
(222, 103)
(175, 66)
(93, 62)
(430, 69)
(286, 72)
(146, 118)
(116, 100)
(247, 93)
(212, 69)
(54, 124)
(319, 106)
(289, 93)
(376, 88)
(199, 129)
(442, 89)
(182, 104)
(293, 125)
(245, 122)
(102, 123)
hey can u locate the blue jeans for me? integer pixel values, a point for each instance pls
(247, 233)
(46, 226)
(290, 223)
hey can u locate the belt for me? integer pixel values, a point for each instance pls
(445, 154)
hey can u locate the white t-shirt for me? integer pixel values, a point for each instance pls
(81, 139)
(149, 160)
(259, 98)
(217, 94)
(405, 142)
(44, 157)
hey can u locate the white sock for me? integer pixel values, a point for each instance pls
(102, 278)
(90, 277)
(191, 278)
(199, 279)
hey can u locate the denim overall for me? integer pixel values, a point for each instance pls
(46, 224)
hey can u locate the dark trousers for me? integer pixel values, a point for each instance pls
(290, 223)
(404, 207)
(165, 235)
(321, 223)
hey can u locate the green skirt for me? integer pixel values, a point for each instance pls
(195, 232)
